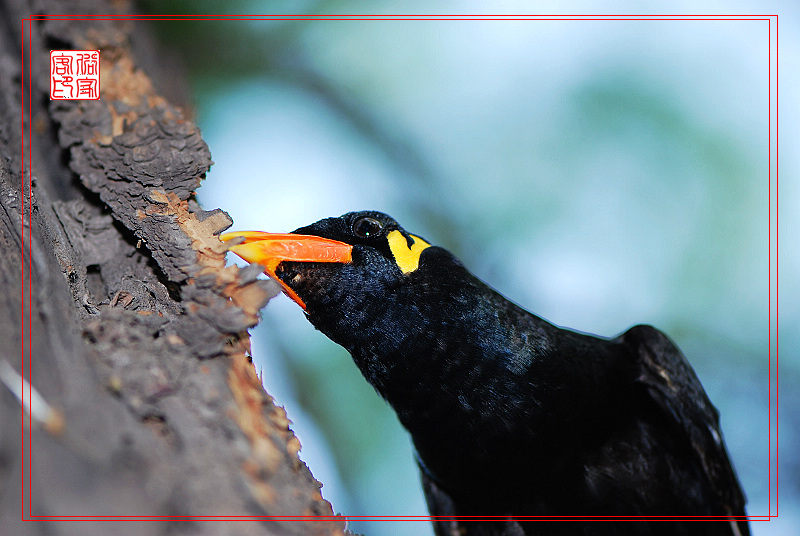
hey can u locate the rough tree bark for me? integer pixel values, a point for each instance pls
(115, 285)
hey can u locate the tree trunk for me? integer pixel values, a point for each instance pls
(119, 311)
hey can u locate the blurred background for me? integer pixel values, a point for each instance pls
(599, 173)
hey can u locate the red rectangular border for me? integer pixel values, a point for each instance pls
(27, 22)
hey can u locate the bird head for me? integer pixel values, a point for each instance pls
(343, 267)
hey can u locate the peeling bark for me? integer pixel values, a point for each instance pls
(138, 332)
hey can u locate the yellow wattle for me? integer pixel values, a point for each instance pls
(407, 259)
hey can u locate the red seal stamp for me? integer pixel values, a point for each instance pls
(74, 74)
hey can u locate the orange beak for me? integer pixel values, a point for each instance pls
(271, 249)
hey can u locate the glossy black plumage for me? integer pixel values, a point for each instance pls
(511, 415)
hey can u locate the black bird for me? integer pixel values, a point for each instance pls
(515, 421)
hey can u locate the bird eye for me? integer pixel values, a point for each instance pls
(366, 227)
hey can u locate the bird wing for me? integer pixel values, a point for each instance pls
(677, 392)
